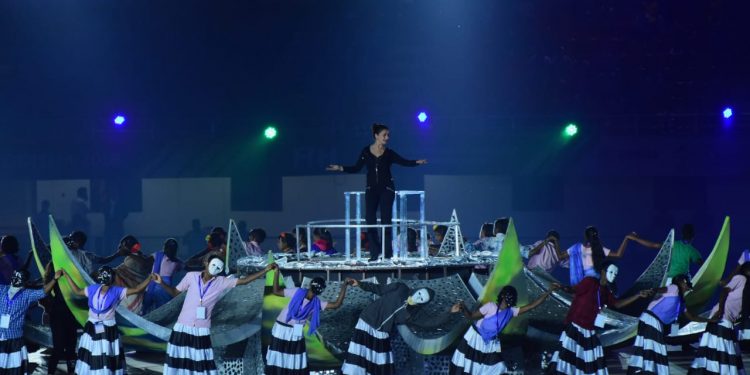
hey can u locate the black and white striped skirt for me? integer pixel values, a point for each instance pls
(287, 354)
(476, 357)
(100, 353)
(650, 353)
(369, 352)
(14, 359)
(718, 351)
(744, 333)
(581, 353)
(189, 351)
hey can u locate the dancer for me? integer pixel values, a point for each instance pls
(380, 190)
(650, 354)
(16, 299)
(479, 352)
(581, 351)
(718, 350)
(583, 257)
(76, 241)
(543, 254)
(134, 270)
(165, 265)
(9, 261)
(99, 348)
(683, 252)
(370, 347)
(189, 350)
(287, 353)
(287, 243)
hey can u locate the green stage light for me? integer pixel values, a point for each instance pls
(270, 132)
(571, 130)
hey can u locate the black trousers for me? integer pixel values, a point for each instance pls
(64, 337)
(379, 197)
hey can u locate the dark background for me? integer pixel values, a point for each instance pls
(646, 82)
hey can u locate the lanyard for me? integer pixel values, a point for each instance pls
(201, 290)
(599, 298)
(9, 301)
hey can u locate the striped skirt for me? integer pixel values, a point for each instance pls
(189, 352)
(14, 359)
(744, 334)
(100, 353)
(581, 353)
(474, 356)
(287, 354)
(369, 352)
(650, 353)
(718, 352)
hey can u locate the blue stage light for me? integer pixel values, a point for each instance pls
(422, 117)
(119, 120)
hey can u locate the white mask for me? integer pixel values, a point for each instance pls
(419, 297)
(611, 274)
(215, 266)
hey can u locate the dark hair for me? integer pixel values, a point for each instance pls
(377, 128)
(486, 230)
(688, 232)
(509, 294)
(211, 256)
(258, 235)
(597, 249)
(129, 241)
(78, 237)
(553, 233)
(324, 235)
(9, 244)
(216, 240)
(288, 239)
(680, 278)
(170, 249)
(317, 285)
(440, 229)
(501, 226)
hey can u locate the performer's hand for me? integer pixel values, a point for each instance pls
(645, 293)
(58, 274)
(632, 236)
(421, 161)
(456, 307)
(272, 266)
(334, 168)
(352, 282)
(157, 278)
(554, 286)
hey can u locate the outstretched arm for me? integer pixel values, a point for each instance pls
(349, 169)
(51, 284)
(397, 159)
(250, 278)
(621, 250)
(76, 290)
(277, 289)
(643, 242)
(140, 287)
(170, 289)
(536, 249)
(624, 302)
(561, 254)
(335, 305)
(108, 259)
(460, 306)
(539, 300)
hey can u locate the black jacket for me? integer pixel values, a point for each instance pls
(379, 168)
(392, 297)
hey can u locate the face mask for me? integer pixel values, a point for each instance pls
(105, 277)
(215, 267)
(421, 296)
(17, 280)
(611, 274)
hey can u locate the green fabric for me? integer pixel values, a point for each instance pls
(682, 255)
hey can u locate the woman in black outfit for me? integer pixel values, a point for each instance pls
(380, 190)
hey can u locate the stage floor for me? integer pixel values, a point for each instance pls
(148, 364)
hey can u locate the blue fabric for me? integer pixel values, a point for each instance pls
(16, 308)
(111, 298)
(156, 296)
(576, 264)
(492, 326)
(668, 309)
(311, 310)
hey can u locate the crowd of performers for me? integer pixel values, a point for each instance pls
(145, 282)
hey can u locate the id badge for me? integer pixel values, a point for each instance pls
(200, 312)
(600, 321)
(674, 330)
(5, 321)
(297, 330)
(98, 328)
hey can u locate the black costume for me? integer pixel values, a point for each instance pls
(380, 191)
